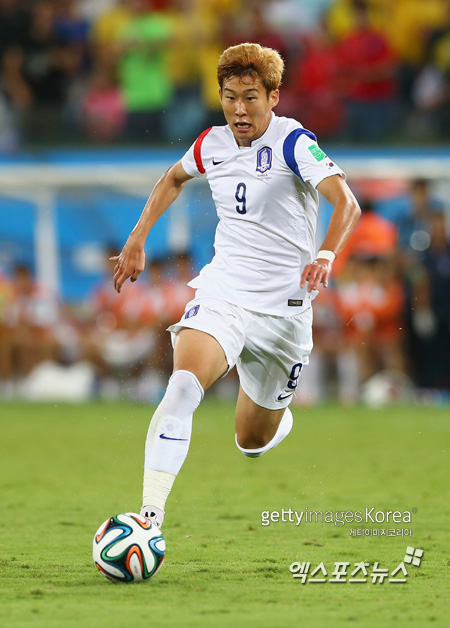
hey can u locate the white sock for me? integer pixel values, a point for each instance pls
(169, 435)
(283, 430)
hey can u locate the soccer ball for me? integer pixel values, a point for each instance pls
(128, 547)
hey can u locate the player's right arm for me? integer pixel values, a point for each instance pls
(131, 261)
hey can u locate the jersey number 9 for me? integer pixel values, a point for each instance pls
(240, 197)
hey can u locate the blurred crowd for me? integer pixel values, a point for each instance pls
(381, 330)
(120, 341)
(144, 71)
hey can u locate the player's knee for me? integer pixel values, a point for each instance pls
(250, 450)
(249, 441)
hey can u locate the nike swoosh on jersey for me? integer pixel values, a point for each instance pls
(216, 163)
(164, 437)
(281, 397)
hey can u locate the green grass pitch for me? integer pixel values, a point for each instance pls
(65, 469)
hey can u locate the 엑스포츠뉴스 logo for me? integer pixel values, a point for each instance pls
(366, 572)
(264, 159)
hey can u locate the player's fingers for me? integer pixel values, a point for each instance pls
(315, 281)
(305, 276)
(117, 274)
(311, 275)
(121, 268)
(119, 279)
(118, 267)
(116, 282)
(320, 276)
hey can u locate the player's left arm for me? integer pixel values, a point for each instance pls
(346, 213)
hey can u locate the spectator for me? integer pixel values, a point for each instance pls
(144, 78)
(156, 309)
(178, 292)
(32, 318)
(436, 263)
(14, 21)
(250, 24)
(370, 302)
(314, 82)
(414, 226)
(36, 74)
(407, 25)
(109, 24)
(70, 25)
(368, 308)
(115, 341)
(185, 117)
(334, 367)
(429, 321)
(431, 90)
(374, 237)
(103, 113)
(368, 74)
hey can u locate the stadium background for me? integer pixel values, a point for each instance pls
(97, 99)
(83, 137)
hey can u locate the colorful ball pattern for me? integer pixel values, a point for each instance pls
(128, 548)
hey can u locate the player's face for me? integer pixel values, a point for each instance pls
(247, 107)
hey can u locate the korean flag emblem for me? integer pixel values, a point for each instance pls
(264, 159)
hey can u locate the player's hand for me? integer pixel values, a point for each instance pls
(129, 264)
(315, 274)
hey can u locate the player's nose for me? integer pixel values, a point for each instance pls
(240, 108)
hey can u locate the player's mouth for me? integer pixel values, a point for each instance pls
(243, 126)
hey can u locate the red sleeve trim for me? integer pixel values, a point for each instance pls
(198, 150)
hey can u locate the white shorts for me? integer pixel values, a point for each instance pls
(268, 351)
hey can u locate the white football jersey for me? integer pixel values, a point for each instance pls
(267, 202)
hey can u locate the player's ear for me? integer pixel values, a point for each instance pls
(274, 97)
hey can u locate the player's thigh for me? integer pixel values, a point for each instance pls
(201, 354)
(275, 352)
(255, 424)
(208, 339)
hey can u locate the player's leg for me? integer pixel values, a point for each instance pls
(275, 351)
(259, 429)
(199, 361)
(201, 354)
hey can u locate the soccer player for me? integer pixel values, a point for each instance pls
(252, 306)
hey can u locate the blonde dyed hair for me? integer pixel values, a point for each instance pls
(254, 61)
